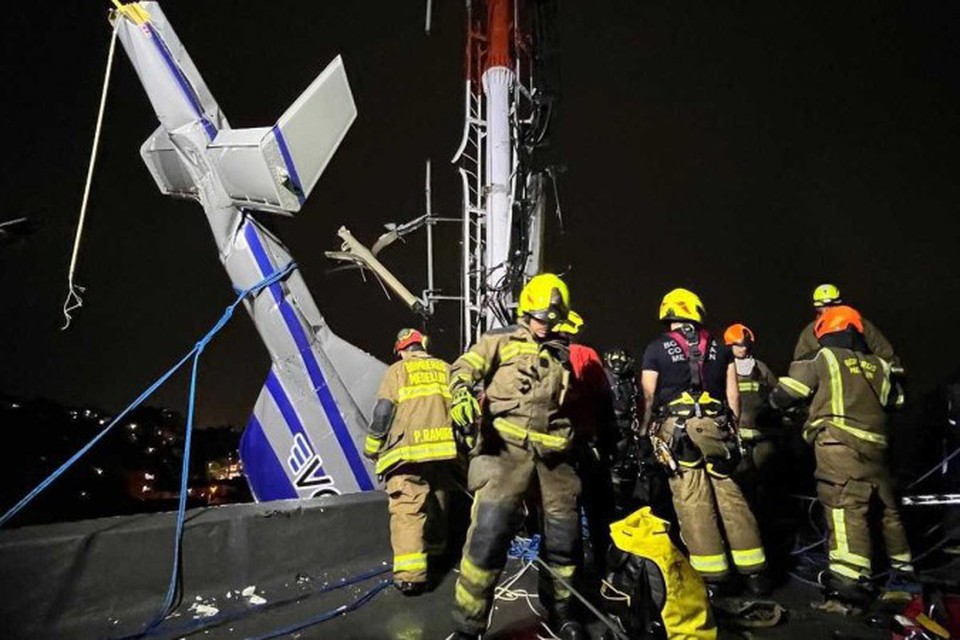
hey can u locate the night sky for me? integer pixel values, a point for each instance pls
(747, 152)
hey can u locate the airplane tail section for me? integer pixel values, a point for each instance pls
(309, 423)
(275, 168)
(306, 434)
(305, 439)
(176, 90)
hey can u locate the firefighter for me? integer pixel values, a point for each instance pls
(412, 441)
(756, 425)
(849, 392)
(826, 296)
(523, 372)
(691, 402)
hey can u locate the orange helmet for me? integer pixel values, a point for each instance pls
(408, 337)
(838, 318)
(739, 334)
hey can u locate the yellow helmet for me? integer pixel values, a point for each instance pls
(826, 295)
(572, 325)
(682, 304)
(545, 298)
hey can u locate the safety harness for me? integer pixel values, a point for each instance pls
(714, 446)
(695, 402)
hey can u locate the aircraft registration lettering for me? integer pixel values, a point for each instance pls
(307, 465)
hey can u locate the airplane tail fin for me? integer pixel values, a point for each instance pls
(306, 434)
(275, 168)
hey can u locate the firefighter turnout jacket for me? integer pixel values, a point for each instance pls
(755, 384)
(849, 394)
(807, 344)
(525, 382)
(412, 420)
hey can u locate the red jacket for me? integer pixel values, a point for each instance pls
(589, 402)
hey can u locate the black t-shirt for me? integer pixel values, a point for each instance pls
(665, 356)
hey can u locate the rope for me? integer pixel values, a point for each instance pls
(526, 549)
(266, 282)
(617, 632)
(323, 617)
(209, 623)
(73, 301)
(172, 588)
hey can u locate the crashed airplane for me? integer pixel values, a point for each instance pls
(302, 439)
(105, 578)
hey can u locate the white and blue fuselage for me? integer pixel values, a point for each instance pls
(306, 432)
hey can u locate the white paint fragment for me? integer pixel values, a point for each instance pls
(203, 610)
(250, 593)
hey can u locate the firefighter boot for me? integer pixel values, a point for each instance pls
(845, 590)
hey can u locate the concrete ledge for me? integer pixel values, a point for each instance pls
(108, 577)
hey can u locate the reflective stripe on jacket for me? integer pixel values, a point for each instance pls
(754, 389)
(849, 393)
(421, 430)
(524, 382)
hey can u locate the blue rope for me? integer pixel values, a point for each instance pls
(221, 619)
(194, 353)
(323, 617)
(527, 549)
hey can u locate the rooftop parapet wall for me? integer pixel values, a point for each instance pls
(108, 577)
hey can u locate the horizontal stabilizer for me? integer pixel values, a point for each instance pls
(166, 167)
(275, 168)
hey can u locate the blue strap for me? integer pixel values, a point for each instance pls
(194, 354)
(526, 549)
(195, 626)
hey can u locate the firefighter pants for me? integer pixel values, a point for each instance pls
(417, 497)
(849, 482)
(704, 503)
(499, 481)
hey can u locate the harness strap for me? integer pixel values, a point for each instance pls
(694, 345)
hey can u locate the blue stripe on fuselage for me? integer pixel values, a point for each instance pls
(185, 87)
(289, 413)
(270, 482)
(324, 395)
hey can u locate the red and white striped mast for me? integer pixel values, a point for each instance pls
(487, 160)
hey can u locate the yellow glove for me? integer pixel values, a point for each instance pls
(465, 409)
(371, 447)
